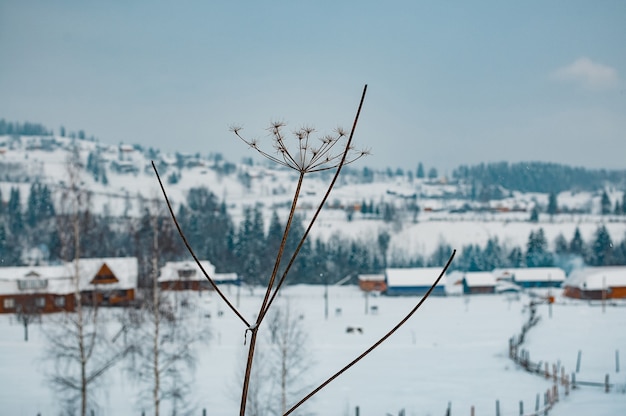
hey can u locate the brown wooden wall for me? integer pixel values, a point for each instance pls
(372, 285)
(26, 301)
(611, 293)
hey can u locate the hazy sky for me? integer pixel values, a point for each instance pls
(449, 82)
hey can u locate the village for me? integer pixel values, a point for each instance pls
(114, 282)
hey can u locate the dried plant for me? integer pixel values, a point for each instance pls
(306, 155)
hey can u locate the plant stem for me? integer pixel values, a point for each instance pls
(264, 304)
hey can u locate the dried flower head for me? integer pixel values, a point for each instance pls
(306, 154)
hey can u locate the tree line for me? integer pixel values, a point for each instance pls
(600, 250)
(32, 234)
(538, 176)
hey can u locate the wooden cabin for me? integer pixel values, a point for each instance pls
(478, 283)
(37, 289)
(186, 275)
(413, 281)
(531, 277)
(596, 283)
(372, 282)
(108, 281)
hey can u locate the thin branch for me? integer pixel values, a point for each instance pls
(377, 343)
(321, 205)
(193, 254)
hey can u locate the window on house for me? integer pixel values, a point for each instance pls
(9, 303)
(186, 273)
(59, 301)
(40, 302)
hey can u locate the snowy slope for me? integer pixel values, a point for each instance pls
(442, 218)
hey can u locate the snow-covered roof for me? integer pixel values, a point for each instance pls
(422, 276)
(597, 278)
(58, 279)
(474, 279)
(225, 277)
(125, 270)
(531, 274)
(36, 279)
(174, 271)
(371, 277)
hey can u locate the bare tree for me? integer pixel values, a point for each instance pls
(161, 341)
(289, 354)
(78, 342)
(332, 152)
(28, 312)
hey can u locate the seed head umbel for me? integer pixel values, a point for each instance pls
(301, 151)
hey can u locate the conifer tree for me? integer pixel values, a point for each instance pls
(602, 249)
(577, 245)
(605, 204)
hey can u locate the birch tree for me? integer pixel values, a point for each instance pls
(162, 340)
(78, 342)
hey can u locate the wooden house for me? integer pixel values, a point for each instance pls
(531, 277)
(186, 275)
(372, 282)
(478, 283)
(596, 283)
(108, 281)
(413, 281)
(38, 289)
(48, 289)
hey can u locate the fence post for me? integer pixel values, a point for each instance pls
(573, 381)
(554, 373)
(537, 402)
(497, 407)
(449, 409)
(566, 385)
(356, 411)
(203, 412)
(547, 372)
(545, 402)
(617, 361)
(606, 383)
(521, 408)
(472, 411)
(555, 393)
(580, 353)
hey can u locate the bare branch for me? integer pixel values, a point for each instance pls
(377, 343)
(193, 254)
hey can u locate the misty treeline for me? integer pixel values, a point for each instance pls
(30, 234)
(540, 177)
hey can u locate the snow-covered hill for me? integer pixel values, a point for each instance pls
(446, 213)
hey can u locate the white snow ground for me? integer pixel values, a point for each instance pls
(455, 349)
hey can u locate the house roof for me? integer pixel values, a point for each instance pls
(371, 278)
(125, 269)
(225, 277)
(57, 279)
(597, 278)
(475, 279)
(174, 271)
(412, 277)
(531, 274)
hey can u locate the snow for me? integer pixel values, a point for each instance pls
(454, 349)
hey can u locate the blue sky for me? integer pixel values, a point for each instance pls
(449, 83)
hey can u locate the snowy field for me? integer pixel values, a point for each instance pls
(454, 350)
